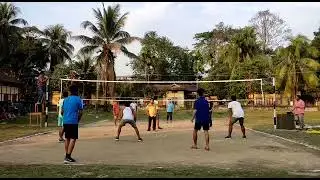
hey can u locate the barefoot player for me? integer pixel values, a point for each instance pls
(236, 113)
(128, 115)
(201, 115)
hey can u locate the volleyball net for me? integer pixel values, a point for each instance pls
(250, 92)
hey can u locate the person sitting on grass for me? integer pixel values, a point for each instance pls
(60, 117)
(236, 113)
(72, 112)
(128, 115)
(201, 115)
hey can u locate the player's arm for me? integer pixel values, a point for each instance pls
(80, 110)
(147, 110)
(194, 112)
(134, 114)
(120, 113)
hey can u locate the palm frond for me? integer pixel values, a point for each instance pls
(125, 51)
(18, 21)
(128, 40)
(84, 39)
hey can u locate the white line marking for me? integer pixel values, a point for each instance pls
(289, 140)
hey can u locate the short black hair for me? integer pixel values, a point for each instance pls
(73, 90)
(127, 103)
(299, 96)
(200, 91)
(65, 94)
(233, 98)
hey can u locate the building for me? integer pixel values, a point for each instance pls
(9, 88)
(181, 94)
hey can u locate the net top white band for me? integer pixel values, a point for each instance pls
(162, 82)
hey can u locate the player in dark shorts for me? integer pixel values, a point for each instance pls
(72, 112)
(236, 113)
(202, 119)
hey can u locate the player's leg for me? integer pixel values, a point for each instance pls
(233, 120)
(158, 120)
(67, 140)
(122, 123)
(167, 117)
(197, 127)
(154, 119)
(73, 139)
(243, 129)
(170, 115)
(115, 118)
(149, 123)
(60, 125)
(301, 121)
(206, 128)
(134, 125)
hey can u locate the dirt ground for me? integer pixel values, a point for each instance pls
(169, 146)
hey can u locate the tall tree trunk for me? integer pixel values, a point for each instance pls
(112, 77)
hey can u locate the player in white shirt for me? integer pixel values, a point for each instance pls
(236, 113)
(128, 116)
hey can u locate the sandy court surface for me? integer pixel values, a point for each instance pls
(170, 146)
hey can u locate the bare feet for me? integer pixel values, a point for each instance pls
(194, 147)
(207, 148)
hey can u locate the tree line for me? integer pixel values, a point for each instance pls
(264, 48)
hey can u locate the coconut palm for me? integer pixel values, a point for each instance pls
(85, 66)
(55, 41)
(107, 40)
(9, 28)
(297, 66)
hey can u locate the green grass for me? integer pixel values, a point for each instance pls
(20, 127)
(263, 121)
(107, 171)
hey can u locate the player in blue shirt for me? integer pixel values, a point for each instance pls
(202, 119)
(72, 112)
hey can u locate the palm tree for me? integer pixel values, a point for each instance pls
(108, 39)
(9, 28)
(297, 66)
(54, 39)
(85, 66)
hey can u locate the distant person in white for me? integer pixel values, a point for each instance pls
(236, 113)
(128, 115)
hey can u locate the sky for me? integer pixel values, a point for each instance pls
(179, 21)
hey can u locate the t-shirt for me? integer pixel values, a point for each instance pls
(152, 110)
(170, 107)
(134, 106)
(41, 82)
(116, 109)
(71, 106)
(237, 110)
(127, 114)
(202, 113)
(60, 103)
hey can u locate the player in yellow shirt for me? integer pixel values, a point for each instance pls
(152, 111)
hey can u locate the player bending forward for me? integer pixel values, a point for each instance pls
(236, 113)
(128, 115)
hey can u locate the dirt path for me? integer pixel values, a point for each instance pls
(165, 147)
